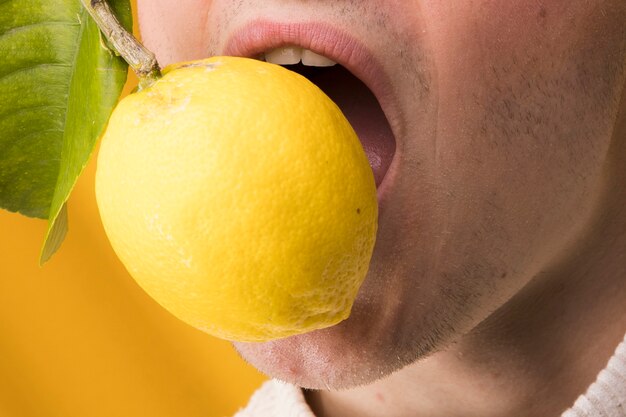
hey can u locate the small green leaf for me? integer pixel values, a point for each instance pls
(55, 235)
(58, 85)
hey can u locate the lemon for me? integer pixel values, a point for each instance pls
(238, 196)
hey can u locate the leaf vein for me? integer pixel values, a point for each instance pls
(31, 67)
(20, 110)
(38, 24)
(4, 145)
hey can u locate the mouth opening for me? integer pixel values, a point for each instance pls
(361, 108)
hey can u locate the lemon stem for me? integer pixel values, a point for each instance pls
(142, 61)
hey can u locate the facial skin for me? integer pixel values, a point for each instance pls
(501, 232)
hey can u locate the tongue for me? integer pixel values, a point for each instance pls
(362, 110)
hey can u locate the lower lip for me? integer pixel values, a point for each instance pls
(261, 35)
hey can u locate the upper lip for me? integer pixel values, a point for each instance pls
(259, 36)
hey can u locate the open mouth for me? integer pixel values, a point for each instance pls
(339, 66)
(354, 98)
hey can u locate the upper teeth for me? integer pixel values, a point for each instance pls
(289, 55)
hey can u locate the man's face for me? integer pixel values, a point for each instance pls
(498, 129)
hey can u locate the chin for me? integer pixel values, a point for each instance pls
(356, 352)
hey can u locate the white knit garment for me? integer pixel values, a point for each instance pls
(606, 397)
(277, 399)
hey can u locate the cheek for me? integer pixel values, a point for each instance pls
(523, 98)
(513, 172)
(174, 30)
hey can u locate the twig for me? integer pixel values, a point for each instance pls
(142, 61)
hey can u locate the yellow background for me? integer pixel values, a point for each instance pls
(79, 338)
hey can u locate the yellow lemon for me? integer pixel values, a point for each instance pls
(239, 197)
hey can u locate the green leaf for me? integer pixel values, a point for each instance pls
(58, 85)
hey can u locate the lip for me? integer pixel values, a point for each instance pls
(259, 36)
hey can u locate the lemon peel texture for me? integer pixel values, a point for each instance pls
(239, 197)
